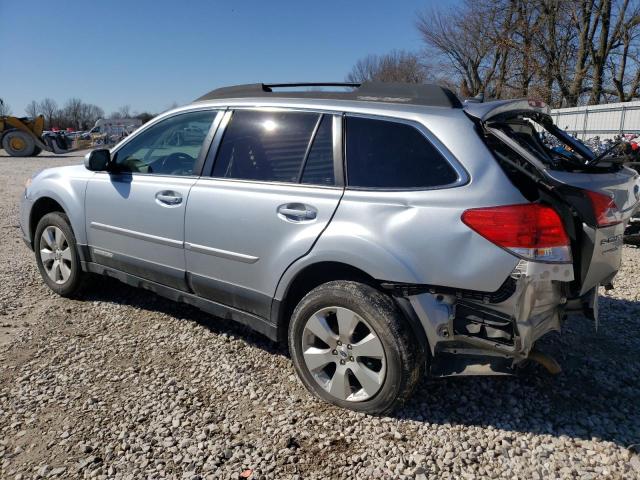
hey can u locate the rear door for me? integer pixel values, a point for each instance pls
(275, 183)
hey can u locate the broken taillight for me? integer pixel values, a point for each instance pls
(604, 208)
(531, 231)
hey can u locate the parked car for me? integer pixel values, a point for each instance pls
(379, 231)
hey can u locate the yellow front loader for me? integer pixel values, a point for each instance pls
(22, 137)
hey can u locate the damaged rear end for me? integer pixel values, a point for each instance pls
(568, 239)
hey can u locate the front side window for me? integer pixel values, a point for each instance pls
(170, 147)
(265, 146)
(392, 155)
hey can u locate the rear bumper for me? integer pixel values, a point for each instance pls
(496, 330)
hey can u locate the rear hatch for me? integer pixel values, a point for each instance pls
(594, 196)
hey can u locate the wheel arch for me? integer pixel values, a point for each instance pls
(50, 202)
(305, 279)
(311, 275)
(41, 207)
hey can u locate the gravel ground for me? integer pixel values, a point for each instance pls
(124, 384)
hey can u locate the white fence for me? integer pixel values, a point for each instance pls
(604, 121)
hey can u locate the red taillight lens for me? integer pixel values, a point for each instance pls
(531, 230)
(604, 208)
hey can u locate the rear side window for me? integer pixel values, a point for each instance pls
(318, 169)
(393, 155)
(267, 146)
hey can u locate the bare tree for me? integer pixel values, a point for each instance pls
(396, 66)
(48, 107)
(565, 51)
(89, 115)
(145, 116)
(614, 22)
(463, 37)
(125, 111)
(623, 63)
(73, 110)
(32, 109)
(5, 109)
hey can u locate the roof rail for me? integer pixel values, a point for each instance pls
(270, 86)
(404, 93)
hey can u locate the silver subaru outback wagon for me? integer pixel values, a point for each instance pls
(381, 230)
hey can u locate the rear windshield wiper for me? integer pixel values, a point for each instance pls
(597, 159)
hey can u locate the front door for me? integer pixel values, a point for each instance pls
(135, 213)
(272, 192)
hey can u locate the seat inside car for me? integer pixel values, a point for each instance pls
(242, 153)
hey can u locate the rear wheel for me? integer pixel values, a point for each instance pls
(18, 143)
(351, 346)
(57, 255)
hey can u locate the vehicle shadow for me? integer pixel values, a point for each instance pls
(113, 291)
(596, 395)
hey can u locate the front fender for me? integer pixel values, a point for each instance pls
(67, 187)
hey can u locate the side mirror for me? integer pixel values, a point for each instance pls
(98, 160)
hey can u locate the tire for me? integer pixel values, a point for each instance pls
(632, 234)
(331, 305)
(36, 151)
(69, 276)
(18, 143)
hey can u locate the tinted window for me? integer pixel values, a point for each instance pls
(170, 147)
(268, 146)
(383, 154)
(319, 167)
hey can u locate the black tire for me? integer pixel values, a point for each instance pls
(36, 151)
(632, 234)
(72, 285)
(405, 359)
(26, 142)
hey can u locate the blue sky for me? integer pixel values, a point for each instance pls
(149, 54)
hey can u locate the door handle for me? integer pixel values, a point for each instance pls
(168, 197)
(297, 212)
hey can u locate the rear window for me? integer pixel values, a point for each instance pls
(393, 155)
(266, 146)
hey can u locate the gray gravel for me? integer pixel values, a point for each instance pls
(124, 384)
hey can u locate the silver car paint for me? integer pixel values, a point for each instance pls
(66, 185)
(401, 236)
(240, 218)
(417, 236)
(125, 219)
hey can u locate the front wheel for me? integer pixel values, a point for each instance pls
(352, 347)
(18, 143)
(56, 254)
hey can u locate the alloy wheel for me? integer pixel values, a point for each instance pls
(343, 354)
(55, 254)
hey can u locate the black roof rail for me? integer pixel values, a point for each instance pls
(270, 86)
(404, 93)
